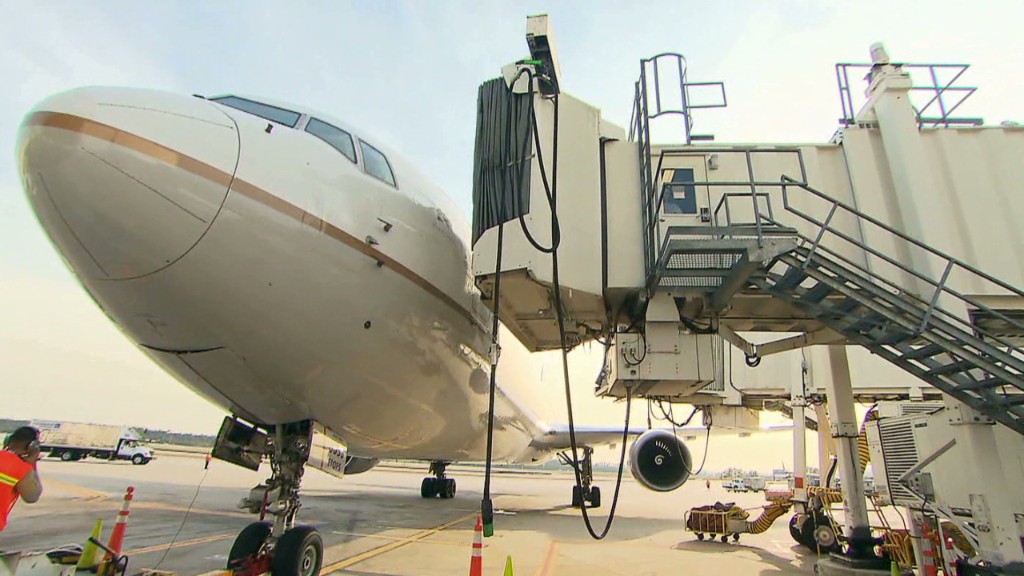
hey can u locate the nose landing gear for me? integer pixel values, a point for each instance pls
(279, 546)
(438, 484)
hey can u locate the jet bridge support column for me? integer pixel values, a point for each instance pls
(843, 426)
(912, 178)
(798, 404)
(825, 443)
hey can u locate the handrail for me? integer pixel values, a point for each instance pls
(939, 89)
(931, 310)
(790, 181)
(931, 307)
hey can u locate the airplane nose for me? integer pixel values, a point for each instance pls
(125, 181)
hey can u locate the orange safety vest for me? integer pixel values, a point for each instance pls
(12, 470)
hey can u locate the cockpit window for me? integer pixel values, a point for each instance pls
(377, 164)
(266, 111)
(336, 137)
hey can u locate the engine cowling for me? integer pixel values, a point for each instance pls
(660, 461)
(357, 465)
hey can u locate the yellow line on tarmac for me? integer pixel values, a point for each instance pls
(395, 538)
(549, 559)
(79, 490)
(181, 544)
(389, 547)
(173, 508)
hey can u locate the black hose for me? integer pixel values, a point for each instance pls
(552, 195)
(486, 505)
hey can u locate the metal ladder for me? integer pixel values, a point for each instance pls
(979, 363)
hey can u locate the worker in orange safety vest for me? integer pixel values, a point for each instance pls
(18, 475)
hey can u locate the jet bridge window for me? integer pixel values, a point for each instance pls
(265, 111)
(678, 194)
(377, 164)
(336, 137)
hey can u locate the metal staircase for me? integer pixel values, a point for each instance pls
(935, 339)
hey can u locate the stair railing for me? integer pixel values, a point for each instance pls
(940, 287)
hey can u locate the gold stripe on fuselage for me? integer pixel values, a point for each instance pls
(162, 153)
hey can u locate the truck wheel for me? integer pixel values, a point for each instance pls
(66, 456)
(138, 459)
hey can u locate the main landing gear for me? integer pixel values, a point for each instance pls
(276, 544)
(438, 484)
(585, 492)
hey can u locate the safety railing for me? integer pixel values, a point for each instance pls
(653, 197)
(650, 103)
(827, 241)
(945, 95)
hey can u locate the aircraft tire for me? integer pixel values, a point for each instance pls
(577, 497)
(299, 552)
(248, 542)
(428, 488)
(595, 497)
(448, 488)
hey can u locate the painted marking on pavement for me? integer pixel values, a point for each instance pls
(172, 508)
(82, 491)
(550, 559)
(181, 544)
(389, 547)
(395, 538)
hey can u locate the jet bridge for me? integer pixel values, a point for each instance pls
(879, 238)
(872, 239)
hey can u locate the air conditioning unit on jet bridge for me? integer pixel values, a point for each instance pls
(666, 361)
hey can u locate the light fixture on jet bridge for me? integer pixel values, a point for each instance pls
(541, 40)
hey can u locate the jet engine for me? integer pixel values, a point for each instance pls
(357, 465)
(660, 461)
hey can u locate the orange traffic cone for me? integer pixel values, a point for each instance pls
(121, 525)
(476, 564)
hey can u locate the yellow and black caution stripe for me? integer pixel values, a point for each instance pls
(768, 516)
(862, 440)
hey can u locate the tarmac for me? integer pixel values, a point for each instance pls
(376, 523)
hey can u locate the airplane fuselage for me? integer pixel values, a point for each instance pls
(271, 273)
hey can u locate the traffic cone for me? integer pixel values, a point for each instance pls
(476, 563)
(894, 570)
(508, 566)
(120, 526)
(90, 554)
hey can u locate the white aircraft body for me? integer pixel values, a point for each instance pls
(270, 272)
(291, 272)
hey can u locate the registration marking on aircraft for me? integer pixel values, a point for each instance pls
(393, 545)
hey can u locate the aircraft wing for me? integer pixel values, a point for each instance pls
(557, 437)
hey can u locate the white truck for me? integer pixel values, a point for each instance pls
(748, 484)
(72, 441)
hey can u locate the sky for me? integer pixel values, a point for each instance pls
(407, 74)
